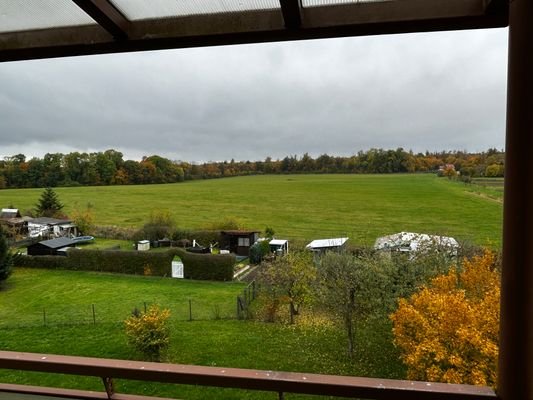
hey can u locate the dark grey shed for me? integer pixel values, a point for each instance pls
(52, 247)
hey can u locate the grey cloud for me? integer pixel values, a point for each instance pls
(422, 91)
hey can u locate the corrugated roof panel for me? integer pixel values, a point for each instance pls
(22, 15)
(322, 3)
(325, 243)
(154, 9)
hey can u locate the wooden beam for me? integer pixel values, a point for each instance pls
(107, 16)
(248, 379)
(390, 11)
(355, 19)
(291, 10)
(515, 372)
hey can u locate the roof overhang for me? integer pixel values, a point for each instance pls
(113, 32)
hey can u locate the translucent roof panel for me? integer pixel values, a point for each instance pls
(154, 9)
(320, 3)
(23, 15)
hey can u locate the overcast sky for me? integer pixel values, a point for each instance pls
(434, 91)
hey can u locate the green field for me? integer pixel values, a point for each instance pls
(362, 207)
(32, 297)
(207, 340)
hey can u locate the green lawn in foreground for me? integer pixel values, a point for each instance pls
(362, 207)
(211, 342)
(68, 296)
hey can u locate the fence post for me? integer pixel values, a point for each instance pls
(190, 310)
(94, 316)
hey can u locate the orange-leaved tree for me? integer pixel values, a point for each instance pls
(448, 331)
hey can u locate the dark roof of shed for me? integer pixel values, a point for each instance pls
(46, 28)
(57, 243)
(238, 233)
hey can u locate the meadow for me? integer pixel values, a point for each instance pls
(209, 339)
(362, 207)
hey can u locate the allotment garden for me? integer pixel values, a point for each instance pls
(299, 320)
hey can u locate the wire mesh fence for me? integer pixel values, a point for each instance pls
(97, 313)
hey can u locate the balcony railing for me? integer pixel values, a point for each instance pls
(273, 381)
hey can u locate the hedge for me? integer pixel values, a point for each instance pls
(196, 266)
(214, 267)
(123, 262)
(45, 262)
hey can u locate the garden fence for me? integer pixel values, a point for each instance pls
(98, 313)
(248, 295)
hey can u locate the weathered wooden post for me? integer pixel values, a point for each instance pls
(515, 373)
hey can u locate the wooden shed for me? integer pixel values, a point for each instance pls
(52, 247)
(239, 242)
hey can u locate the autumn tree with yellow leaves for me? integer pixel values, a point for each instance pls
(448, 331)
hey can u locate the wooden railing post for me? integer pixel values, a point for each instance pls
(515, 376)
(109, 387)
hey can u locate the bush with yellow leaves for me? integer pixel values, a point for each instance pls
(448, 331)
(148, 332)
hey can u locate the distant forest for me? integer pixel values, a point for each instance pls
(110, 168)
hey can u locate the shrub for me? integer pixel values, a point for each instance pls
(160, 225)
(45, 262)
(214, 267)
(149, 332)
(196, 266)
(204, 237)
(409, 274)
(124, 262)
(448, 331)
(258, 251)
(6, 259)
(84, 219)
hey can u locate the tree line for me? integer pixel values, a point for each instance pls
(110, 168)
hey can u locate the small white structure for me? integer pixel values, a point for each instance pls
(279, 246)
(44, 226)
(416, 242)
(143, 245)
(8, 213)
(177, 267)
(321, 245)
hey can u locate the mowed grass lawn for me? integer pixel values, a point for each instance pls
(35, 297)
(362, 207)
(210, 341)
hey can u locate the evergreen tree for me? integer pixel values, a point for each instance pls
(49, 204)
(6, 259)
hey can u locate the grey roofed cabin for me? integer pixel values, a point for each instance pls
(50, 247)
